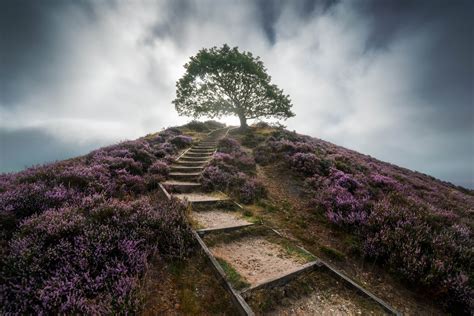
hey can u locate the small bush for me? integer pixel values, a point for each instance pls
(212, 125)
(181, 141)
(197, 126)
(305, 163)
(225, 173)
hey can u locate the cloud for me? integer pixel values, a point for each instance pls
(393, 80)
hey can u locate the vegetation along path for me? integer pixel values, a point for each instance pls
(263, 271)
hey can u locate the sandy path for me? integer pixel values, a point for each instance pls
(218, 219)
(256, 259)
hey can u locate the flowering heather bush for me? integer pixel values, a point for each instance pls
(308, 164)
(419, 227)
(86, 259)
(181, 141)
(225, 173)
(72, 239)
(247, 189)
(159, 168)
(385, 182)
(228, 145)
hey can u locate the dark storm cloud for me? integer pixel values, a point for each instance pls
(21, 149)
(31, 45)
(393, 79)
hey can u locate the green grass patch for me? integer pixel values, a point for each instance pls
(237, 281)
(295, 251)
(332, 253)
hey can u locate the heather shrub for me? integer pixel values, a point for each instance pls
(264, 155)
(309, 164)
(224, 173)
(181, 141)
(88, 260)
(215, 178)
(212, 125)
(248, 190)
(160, 168)
(261, 124)
(228, 145)
(197, 126)
(385, 182)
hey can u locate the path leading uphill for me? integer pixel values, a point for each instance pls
(263, 271)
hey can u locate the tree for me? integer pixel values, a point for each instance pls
(225, 81)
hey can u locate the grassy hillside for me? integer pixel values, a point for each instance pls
(390, 228)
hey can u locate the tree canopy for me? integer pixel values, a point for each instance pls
(224, 81)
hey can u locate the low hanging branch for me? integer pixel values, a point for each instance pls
(225, 81)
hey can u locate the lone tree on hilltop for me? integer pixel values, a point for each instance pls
(225, 81)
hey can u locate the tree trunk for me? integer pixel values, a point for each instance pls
(243, 122)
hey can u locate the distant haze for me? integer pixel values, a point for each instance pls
(393, 79)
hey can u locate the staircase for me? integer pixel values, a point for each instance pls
(256, 263)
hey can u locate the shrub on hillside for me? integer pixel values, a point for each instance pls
(181, 141)
(309, 164)
(212, 125)
(224, 173)
(228, 145)
(197, 126)
(87, 259)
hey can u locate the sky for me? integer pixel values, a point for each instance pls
(392, 79)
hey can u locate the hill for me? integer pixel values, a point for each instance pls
(93, 235)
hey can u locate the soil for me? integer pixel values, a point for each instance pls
(256, 259)
(316, 293)
(218, 219)
(200, 197)
(187, 287)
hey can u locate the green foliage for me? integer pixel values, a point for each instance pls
(332, 253)
(232, 275)
(225, 81)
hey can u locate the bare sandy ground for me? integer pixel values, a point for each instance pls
(256, 259)
(218, 219)
(318, 304)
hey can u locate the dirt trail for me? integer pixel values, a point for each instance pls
(218, 219)
(257, 259)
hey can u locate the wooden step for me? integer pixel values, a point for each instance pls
(184, 175)
(201, 197)
(204, 147)
(199, 151)
(194, 158)
(206, 154)
(186, 168)
(196, 163)
(174, 186)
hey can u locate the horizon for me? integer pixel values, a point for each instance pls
(392, 81)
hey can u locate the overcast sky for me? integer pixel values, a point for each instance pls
(393, 79)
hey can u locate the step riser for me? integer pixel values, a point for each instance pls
(176, 188)
(189, 153)
(191, 158)
(197, 157)
(187, 170)
(191, 163)
(186, 177)
(198, 151)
